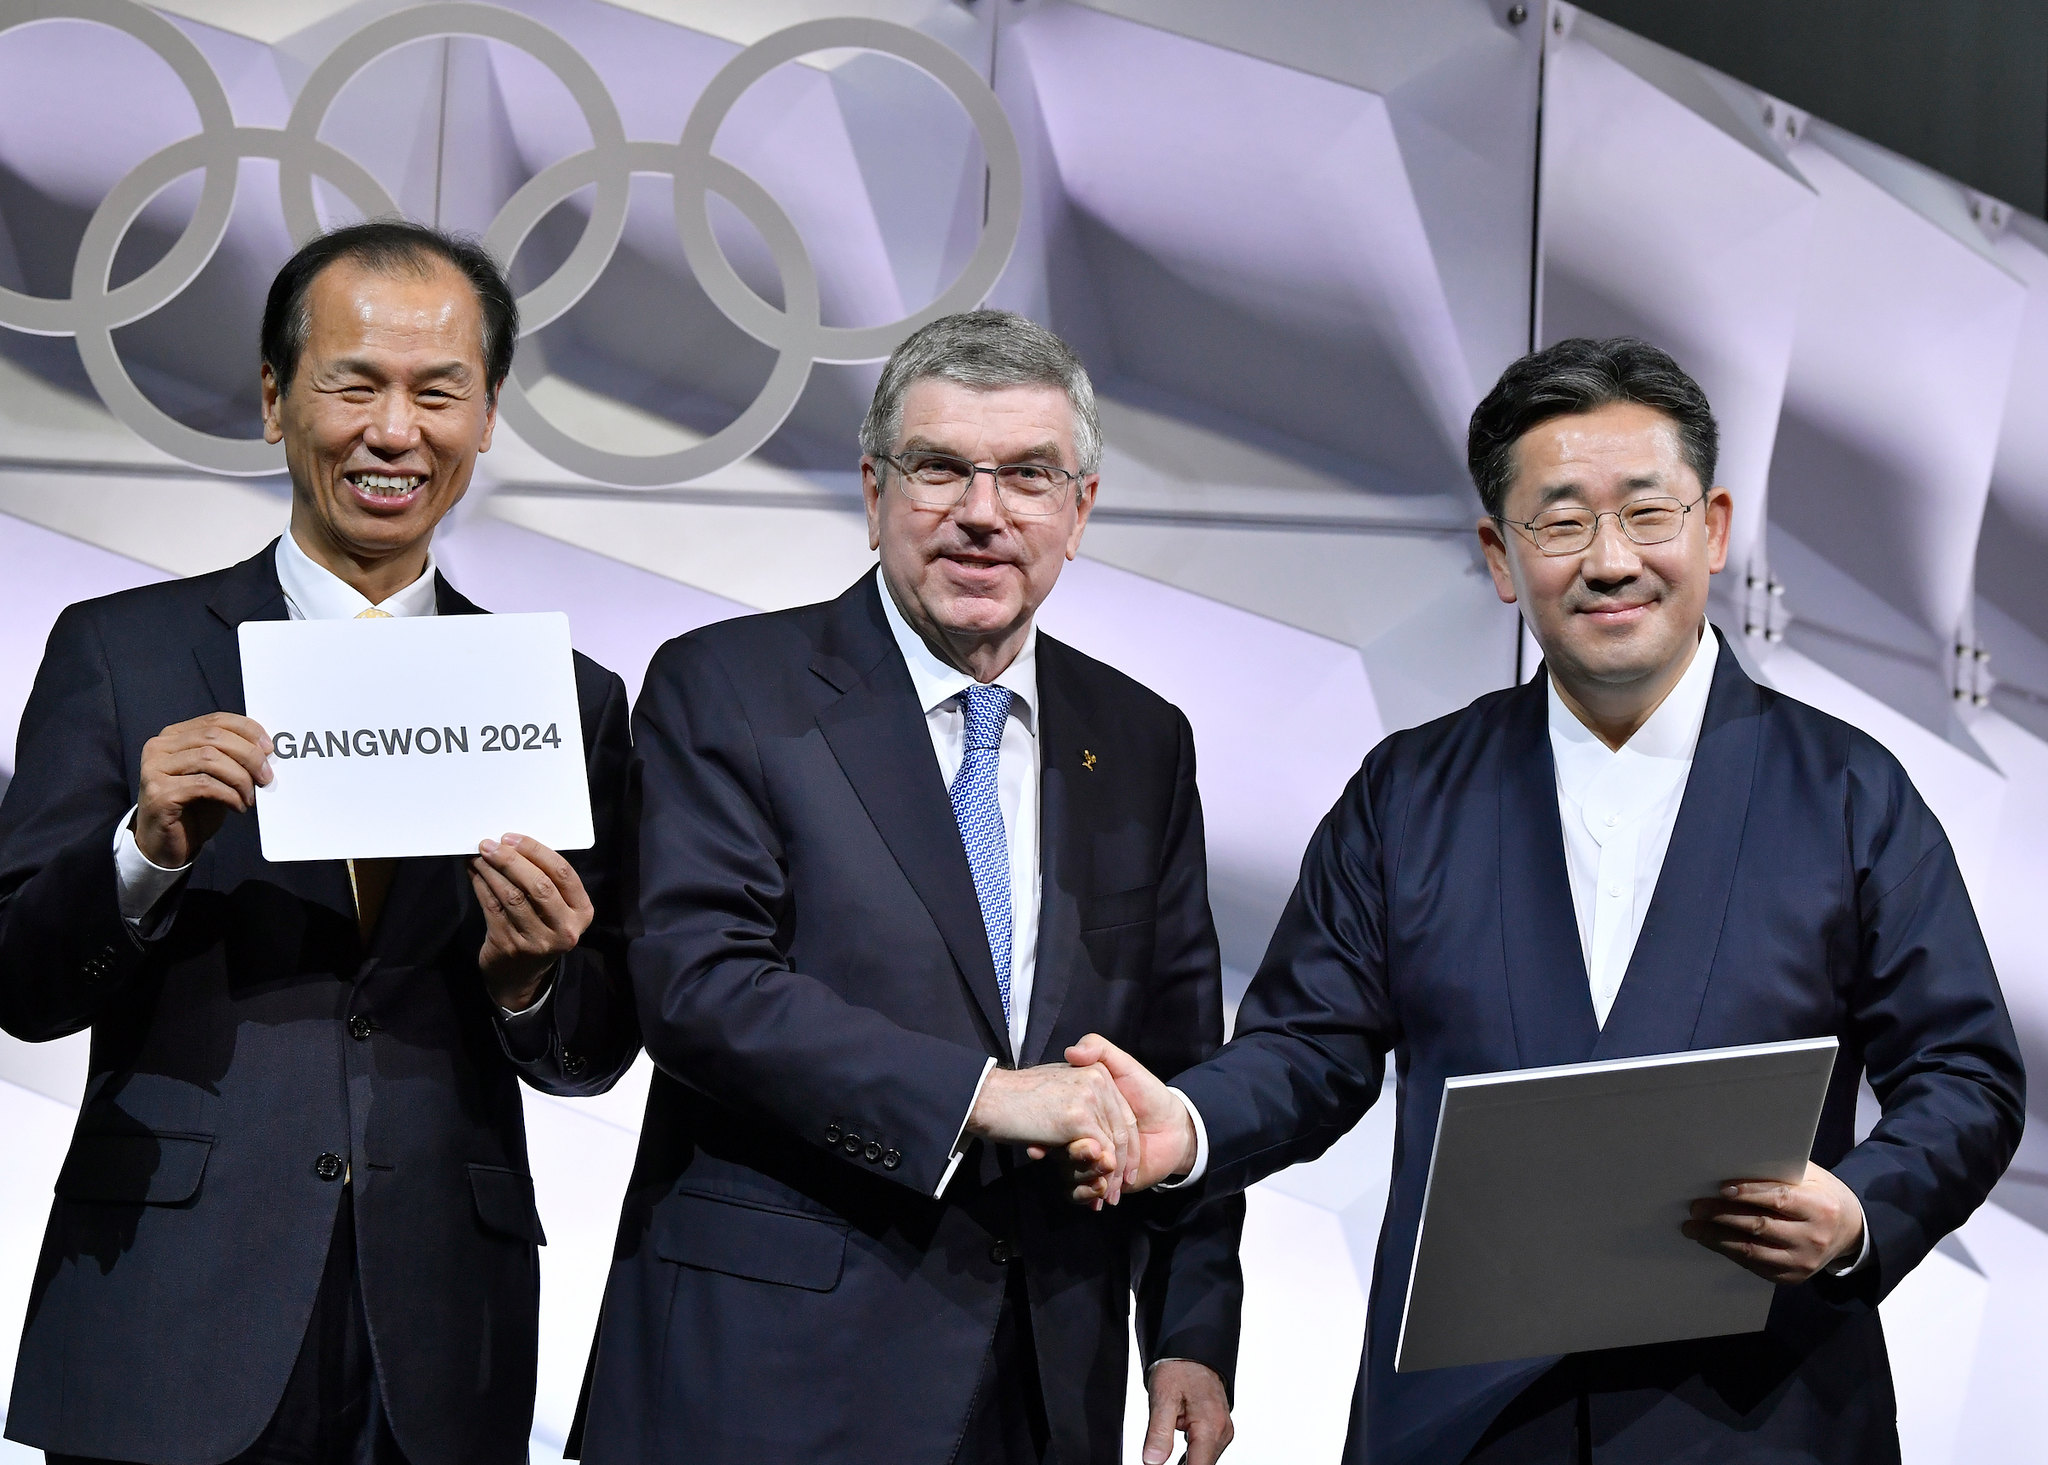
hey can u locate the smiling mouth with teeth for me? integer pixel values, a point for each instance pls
(387, 485)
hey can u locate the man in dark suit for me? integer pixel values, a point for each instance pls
(296, 1221)
(1640, 851)
(897, 852)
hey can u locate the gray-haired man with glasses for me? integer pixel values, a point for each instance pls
(1640, 851)
(898, 853)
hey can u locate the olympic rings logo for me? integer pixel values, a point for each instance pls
(796, 330)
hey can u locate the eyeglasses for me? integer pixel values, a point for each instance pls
(1572, 530)
(940, 480)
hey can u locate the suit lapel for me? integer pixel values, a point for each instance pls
(1062, 849)
(1658, 1005)
(248, 592)
(877, 732)
(1549, 996)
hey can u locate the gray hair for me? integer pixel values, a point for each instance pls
(985, 350)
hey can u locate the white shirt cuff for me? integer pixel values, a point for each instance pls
(139, 881)
(1201, 1165)
(1862, 1255)
(960, 1139)
(529, 1015)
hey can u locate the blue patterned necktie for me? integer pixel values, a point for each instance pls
(980, 814)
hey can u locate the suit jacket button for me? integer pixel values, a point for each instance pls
(832, 1134)
(873, 1152)
(851, 1144)
(573, 1064)
(1002, 1253)
(328, 1166)
(891, 1159)
(360, 1027)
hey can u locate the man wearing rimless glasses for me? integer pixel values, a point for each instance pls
(1642, 850)
(898, 852)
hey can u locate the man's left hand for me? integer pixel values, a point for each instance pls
(535, 911)
(1189, 1397)
(1782, 1232)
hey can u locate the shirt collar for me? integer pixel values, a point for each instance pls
(938, 683)
(318, 594)
(1671, 733)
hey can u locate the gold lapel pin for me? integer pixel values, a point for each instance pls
(1087, 760)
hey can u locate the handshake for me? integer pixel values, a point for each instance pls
(1118, 1127)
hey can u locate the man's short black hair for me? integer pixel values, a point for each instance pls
(388, 247)
(1581, 375)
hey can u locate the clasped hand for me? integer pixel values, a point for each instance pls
(1117, 1127)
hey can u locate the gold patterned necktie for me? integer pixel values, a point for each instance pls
(370, 880)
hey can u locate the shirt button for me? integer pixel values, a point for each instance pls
(1612, 820)
(328, 1166)
(1614, 890)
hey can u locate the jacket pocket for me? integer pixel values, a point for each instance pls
(143, 1168)
(504, 1202)
(748, 1241)
(1123, 908)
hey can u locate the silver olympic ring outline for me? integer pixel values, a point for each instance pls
(796, 330)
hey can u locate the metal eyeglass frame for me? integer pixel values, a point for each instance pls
(974, 471)
(1620, 517)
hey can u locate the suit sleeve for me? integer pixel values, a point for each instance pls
(1316, 1023)
(65, 952)
(1926, 1013)
(721, 1007)
(1190, 1287)
(592, 1034)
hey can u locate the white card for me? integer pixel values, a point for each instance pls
(416, 736)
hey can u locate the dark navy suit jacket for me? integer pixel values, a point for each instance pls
(1807, 891)
(816, 989)
(192, 1219)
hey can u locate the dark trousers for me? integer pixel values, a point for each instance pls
(332, 1412)
(1549, 1420)
(1006, 1423)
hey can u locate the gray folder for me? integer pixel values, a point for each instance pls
(1551, 1219)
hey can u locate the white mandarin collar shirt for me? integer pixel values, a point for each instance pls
(1618, 806)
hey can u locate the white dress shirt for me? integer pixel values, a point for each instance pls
(1617, 806)
(1018, 771)
(939, 693)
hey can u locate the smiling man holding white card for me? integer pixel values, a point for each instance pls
(296, 1222)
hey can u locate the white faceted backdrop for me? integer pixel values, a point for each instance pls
(1295, 243)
